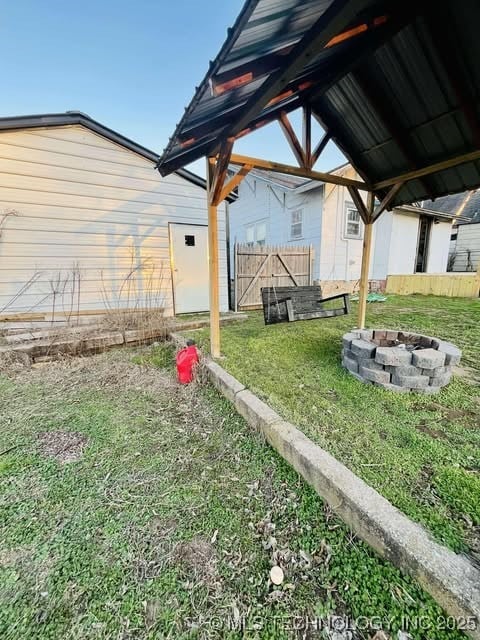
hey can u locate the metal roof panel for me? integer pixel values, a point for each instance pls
(398, 93)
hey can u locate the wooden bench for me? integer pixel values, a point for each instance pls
(288, 304)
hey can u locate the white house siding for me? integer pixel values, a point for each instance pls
(403, 244)
(439, 246)
(340, 257)
(71, 198)
(468, 244)
(404, 240)
(261, 201)
(381, 246)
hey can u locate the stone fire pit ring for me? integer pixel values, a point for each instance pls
(399, 361)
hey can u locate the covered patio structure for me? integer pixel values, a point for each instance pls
(395, 85)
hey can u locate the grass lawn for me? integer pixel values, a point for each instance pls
(132, 508)
(420, 452)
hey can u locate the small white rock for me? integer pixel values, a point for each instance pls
(276, 575)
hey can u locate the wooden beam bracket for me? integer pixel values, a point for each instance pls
(384, 204)
(357, 200)
(220, 169)
(233, 183)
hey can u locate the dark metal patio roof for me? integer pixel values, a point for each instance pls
(397, 85)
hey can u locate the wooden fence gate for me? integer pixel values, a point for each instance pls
(259, 266)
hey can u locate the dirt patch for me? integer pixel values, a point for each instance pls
(448, 413)
(197, 559)
(13, 361)
(433, 433)
(468, 374)
(63, 446)
(11, 557)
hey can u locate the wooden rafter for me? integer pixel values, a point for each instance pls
(292, 139)
(277, 167)
(360, 205)
(387, 200)
(425, 171)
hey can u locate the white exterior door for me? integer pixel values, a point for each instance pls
(189, 252)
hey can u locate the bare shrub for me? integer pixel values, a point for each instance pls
(139, 303)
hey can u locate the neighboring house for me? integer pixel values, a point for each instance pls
(284, 210)
(465, 238)
(88, 224)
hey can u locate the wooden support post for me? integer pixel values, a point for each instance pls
(367, 246)
(213, 265)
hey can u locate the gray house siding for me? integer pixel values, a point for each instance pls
(467, 248)
(262, 202)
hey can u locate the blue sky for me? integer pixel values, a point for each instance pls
(131, 64)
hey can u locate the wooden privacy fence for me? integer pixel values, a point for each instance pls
(261, 266)
(453, 285)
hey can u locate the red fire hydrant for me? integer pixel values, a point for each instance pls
(186, 360)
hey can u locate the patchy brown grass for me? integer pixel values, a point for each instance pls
(169, 524)
(63, 446)
(198, 560)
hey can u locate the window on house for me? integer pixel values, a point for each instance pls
(261, 233)
(353, 223)
(256, 233)
(296, 224)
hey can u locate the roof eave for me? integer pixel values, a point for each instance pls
(70, 118)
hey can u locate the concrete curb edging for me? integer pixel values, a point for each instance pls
(452, 580)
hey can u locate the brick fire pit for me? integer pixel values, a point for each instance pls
(398, 360)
